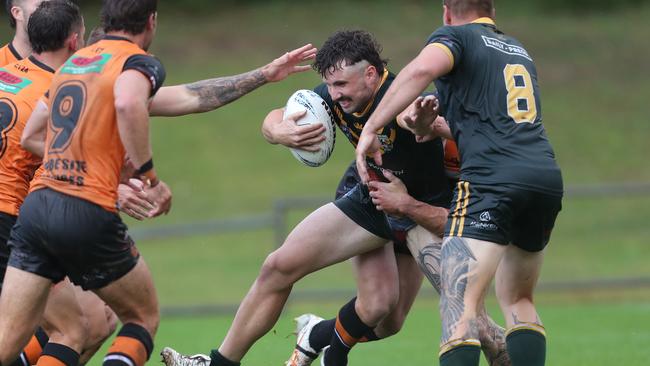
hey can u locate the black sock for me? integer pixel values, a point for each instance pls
(467, 355)
(321, 334)
(371, 336)
(217, 359)
(348, 330)
(526, 347)
(55, 354)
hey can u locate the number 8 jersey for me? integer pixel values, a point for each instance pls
(492, 102)
(83, 150)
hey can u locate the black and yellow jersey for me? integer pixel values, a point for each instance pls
(491, 100)
(419, 166)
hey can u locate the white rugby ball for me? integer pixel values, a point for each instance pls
(317, 112)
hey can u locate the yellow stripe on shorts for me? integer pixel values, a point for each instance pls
(455, 214)
(462, 215)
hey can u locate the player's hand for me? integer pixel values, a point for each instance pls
(133, 200)
(368, 145)
(389, 197)
(288, 63)
(289, 134)
(421, 115)
(162, 197)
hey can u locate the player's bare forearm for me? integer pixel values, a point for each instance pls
(131, 93)
(33, 138)
(430, 217)
(214, 93)
(268, 131)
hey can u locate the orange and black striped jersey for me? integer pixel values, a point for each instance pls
(9, 55)
(83, 150)
(22, 84)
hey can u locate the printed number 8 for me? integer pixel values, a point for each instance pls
(68, 105)
(521, 95)
(8, 117)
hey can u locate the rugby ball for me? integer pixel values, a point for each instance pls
(317, 112)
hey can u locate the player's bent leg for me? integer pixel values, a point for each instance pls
(22, 303)
(133, 298)
(467, 268)
(325, 237)
(101, 319)
(410, 281)
(516, 279)
(377, 296)
(66, 323)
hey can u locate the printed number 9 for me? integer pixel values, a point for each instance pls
(521, 95)
(67, 108)
(7, 122)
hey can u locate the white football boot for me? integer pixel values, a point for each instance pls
(304, 354)
(173, 358)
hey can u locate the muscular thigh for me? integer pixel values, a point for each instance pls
(325, 237)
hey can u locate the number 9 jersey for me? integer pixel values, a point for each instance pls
(83, 150)
(492, 103)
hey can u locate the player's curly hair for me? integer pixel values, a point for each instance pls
(347, 47)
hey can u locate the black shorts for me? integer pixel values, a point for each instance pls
(58, 235)
(503, 214)
(358, 206)
(6, 223)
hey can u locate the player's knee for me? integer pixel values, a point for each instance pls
(391, 325)
(509, 297)
(278, 271)
(377, 308)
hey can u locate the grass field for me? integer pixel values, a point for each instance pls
(595, 86)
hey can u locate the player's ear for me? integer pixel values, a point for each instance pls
(446, 15)
(152, 21)
(73, 42)
(17, 12)
(371, 71)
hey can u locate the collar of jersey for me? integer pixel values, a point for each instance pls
(14, 51)
(484, 20)
(116, 38)
(41, 65)
(372, 100)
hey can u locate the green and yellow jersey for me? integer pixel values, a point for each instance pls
(491, 100)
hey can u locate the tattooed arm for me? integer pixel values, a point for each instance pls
(210, 94)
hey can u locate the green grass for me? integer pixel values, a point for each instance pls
(595, 84)
(578, 334)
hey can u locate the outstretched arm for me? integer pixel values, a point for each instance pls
(430, 64)
(210, 94)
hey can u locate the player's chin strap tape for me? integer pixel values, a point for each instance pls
(145, 167)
